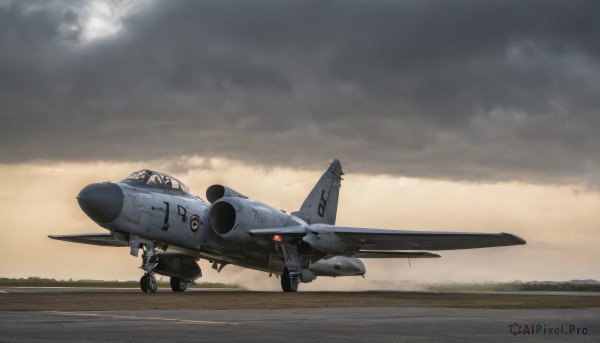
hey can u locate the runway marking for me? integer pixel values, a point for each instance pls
(187, 321)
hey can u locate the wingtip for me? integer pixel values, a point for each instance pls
(518, 240)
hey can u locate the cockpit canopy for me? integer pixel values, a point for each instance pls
(155, 179)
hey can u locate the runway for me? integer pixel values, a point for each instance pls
(376, 324)
(107, 315)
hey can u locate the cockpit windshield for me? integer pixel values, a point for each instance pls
(155, 179)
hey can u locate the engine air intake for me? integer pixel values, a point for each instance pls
(222, 217)
(216, 192)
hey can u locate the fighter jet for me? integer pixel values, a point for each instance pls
(156, 213)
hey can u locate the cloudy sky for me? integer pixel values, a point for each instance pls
(466, 115)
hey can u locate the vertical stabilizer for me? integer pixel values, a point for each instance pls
(320, 206)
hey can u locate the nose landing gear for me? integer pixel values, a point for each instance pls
(148, 283)
(149, 262)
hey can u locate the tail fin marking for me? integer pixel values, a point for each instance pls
(320, 206)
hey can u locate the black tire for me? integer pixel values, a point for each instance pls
(144, 283)
(178, 284)
(288, 284)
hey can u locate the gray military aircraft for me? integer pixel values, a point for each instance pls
(175, 229)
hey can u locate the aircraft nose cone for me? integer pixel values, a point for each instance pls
(102, 202)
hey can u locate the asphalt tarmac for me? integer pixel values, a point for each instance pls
(66, 315)
(375, 324)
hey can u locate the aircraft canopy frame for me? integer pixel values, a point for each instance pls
(155, 179)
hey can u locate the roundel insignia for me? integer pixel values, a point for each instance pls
(195, 223)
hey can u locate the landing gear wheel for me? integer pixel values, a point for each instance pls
(289, 284)
(178, 284)
(144, 284)
(148, 283)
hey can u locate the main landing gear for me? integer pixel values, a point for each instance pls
(290, 278)
(289, 283)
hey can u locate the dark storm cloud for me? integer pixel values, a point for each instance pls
(467, 90)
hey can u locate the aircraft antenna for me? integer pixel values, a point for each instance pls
(310, 177)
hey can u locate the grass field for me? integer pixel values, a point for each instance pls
(41, 282)
(231, 300)
(513, 287)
